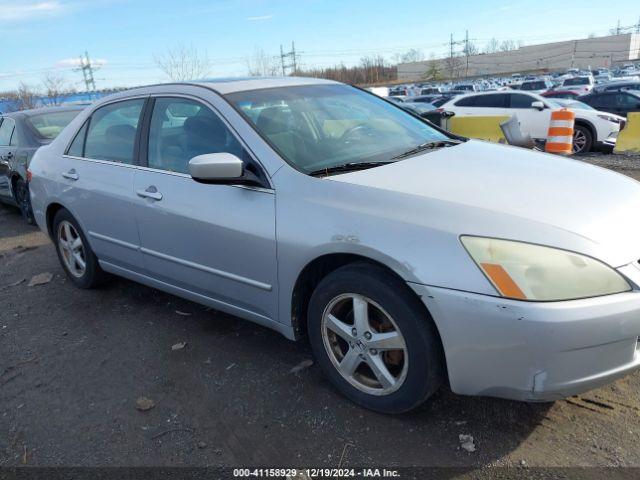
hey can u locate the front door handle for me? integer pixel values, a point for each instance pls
(71, 175)
(151, 192)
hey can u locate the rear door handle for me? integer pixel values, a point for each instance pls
(151, 192)
(71, 175)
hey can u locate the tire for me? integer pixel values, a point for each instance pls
(66, 232)
(414, 369)
(582, 140)
(24, 201)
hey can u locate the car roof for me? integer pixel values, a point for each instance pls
(231, 85)
(228, 85)
(38, 111)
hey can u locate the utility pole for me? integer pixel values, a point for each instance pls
(466, 51)
(286, 63)
(618, 28)
(282, 61)
(87, 68)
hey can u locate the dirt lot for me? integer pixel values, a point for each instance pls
(73, 363)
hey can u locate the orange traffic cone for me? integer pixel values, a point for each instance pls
(560, 135)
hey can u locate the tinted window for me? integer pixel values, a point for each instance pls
(6, 131)
(182, 129)
(483, 101)
(608, 100)
(624, 100)
(491, 101)
(466, 102)
(49, 125)
(518, 100)
(112, 131)
(76, 149)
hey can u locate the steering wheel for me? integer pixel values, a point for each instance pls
(359, 129)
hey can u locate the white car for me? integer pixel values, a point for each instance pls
(593, 129)
(581, 85)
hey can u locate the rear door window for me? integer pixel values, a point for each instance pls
(497, 100)
(113, 130)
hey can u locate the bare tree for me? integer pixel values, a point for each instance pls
(470, 48)
(410, 56)
(493, 46)
(26, 96)
(262, 65)
(508, 45)
(54, 88)
(183, 63)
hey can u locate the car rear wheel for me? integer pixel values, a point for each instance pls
(24, 201)
(582, 140)
(374, 340)
(75, 254)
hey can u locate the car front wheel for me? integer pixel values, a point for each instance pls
(582, 140)
(374, 339)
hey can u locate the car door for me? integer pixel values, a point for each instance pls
(97, 174)
(533, 121)
(7, 127)
(215, 241)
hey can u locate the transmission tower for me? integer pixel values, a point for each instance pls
(87, 68)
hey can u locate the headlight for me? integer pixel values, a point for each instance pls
(609, 118)
(532, 272)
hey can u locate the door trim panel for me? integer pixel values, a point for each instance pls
(214, 271)
(121, 243)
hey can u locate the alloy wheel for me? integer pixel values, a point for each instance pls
(71, 249)
(364, 344)
(579, 141)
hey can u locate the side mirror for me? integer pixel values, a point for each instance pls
(538, 105)
(216, 167)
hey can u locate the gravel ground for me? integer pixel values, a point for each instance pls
(73, 364)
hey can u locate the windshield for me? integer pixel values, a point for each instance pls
(49, 125)
(322, 126)
(576, 81)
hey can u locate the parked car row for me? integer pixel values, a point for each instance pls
(593, 129)
(407, 256)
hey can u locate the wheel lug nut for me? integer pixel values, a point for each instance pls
(373, 351)
(354, 332)
(367, 335)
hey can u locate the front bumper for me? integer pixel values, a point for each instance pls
(534, 351)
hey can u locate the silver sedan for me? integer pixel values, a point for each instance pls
(407, 256)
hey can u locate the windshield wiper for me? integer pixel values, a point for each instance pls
(347, 167)
(426, 146)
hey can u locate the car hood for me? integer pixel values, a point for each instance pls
(535, 193)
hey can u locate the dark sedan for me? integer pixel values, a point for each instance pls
(21, 134)
(620, 103)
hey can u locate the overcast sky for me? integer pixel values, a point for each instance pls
(40, 36)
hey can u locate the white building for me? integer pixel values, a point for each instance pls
(584, 53)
